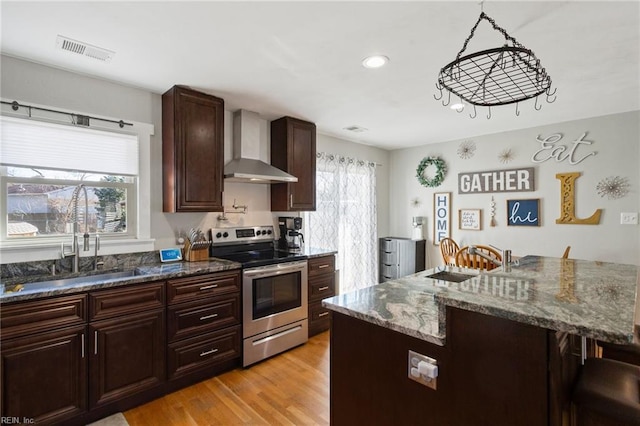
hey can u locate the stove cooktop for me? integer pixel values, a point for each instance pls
(250, 246)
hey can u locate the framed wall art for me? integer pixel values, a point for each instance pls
(470, 219)
(441, 216)
(523, 212)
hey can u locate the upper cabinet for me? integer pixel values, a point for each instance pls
(192, 151)
(293, 149)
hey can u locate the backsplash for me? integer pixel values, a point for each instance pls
(64, 266)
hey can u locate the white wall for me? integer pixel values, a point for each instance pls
(42, 85)
(615, 139)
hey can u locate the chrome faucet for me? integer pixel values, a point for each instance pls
(75, 249)
(506, 257)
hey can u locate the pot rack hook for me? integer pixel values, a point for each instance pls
(475, 113)
(536, 105)
(489, 115)
(448, 99)
(441, 95)
(517, 112)
(549, 95)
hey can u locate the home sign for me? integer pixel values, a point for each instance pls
(511, 180)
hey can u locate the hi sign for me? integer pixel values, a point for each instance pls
(441, 216)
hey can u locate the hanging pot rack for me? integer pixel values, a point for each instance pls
(499, 76)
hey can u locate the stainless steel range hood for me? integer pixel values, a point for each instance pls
(246, 165)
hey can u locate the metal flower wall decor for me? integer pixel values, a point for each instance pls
(504, 75)
(613, 187)
(466, 149)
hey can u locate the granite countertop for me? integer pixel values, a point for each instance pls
(312, 252)
(35, 287)
(587, 298)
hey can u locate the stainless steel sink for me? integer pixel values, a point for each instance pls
(88, 279)
(454, 277)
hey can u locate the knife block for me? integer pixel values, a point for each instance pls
(196, 253)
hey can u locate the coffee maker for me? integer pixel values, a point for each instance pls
(291, 239)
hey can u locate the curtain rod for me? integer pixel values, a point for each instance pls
(81, 119)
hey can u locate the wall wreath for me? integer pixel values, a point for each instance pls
(441, 169)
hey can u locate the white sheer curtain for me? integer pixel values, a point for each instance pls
(345, 218)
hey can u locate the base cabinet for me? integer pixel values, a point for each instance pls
(72, 360)
(44, 376)
(322, 284)
(127, 356)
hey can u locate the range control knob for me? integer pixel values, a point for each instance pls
(269, 232)
(218, 235)
(225, 235)
(259, 233)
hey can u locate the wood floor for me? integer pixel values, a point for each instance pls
(289, 389)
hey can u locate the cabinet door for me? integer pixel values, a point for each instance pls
(293, 149)
(44, 376)
(127, 356)
(193, 158)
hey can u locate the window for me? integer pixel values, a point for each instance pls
(345, 218)
(41, 202)
(47, 168)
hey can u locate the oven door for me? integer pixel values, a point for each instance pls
(273, 296)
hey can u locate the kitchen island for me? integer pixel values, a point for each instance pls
(506, 344)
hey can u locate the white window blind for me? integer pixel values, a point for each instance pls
(39, 144)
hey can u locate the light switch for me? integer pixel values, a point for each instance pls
(629, 218)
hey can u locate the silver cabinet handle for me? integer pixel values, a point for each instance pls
(95, 342)
(205, 353)
(323, 314)
(291, 200)
(207, 287)
(323, 266)
(82, 345)
(206, 317)
(323, 288)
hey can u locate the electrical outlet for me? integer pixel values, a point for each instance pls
(629, 218)
(423, 369)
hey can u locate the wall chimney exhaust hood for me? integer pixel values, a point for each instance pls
(246, 165)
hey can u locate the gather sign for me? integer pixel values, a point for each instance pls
(510, 180)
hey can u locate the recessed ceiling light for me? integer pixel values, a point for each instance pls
(375, 61)
(458, 107)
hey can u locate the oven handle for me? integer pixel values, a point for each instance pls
(277, 269)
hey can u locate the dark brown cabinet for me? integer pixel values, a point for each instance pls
(293, 149)
(192, 151)
(322, 284)
(203, 326)
(78, 358)
(44, 376)
(37, 335)
(126, 342)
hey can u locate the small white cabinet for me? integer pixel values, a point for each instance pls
(400, 257)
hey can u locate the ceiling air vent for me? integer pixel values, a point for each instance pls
(355, 129)
(84, 49)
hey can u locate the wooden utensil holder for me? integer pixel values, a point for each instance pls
(195, 254)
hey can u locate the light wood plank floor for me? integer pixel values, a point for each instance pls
(289, 389)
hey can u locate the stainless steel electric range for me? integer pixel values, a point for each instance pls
(274, 290)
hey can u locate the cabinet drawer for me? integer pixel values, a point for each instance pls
(41, 315)
(388, 245)
(388, 258)
(126, 300)
(189, 319)
(321, 265)
(389, 271)
(319, 318)
(201, 352)
(322, 287)
(195, 288)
